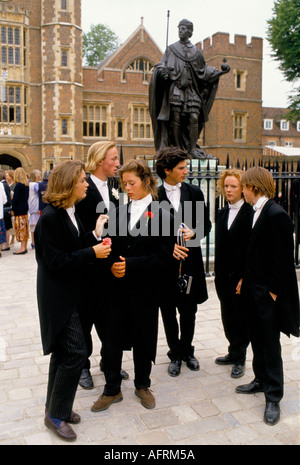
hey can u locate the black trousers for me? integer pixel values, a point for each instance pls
(94, 315)
(95, 312)
(113, 352)
(66, 362)
(180, 334)
(233, 316)
(265, 340)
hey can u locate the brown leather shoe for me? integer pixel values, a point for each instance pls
(146, 396)
(64, 431)
(74, 418)
(104, 402)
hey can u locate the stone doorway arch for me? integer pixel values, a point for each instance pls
(9, 161)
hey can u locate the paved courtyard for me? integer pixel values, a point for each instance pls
(196, 408)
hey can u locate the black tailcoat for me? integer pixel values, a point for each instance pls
(63, 258)
(270, 266)
(230, 248)
(87, 208)
(134, 299)
(230, 253)
(88, 211)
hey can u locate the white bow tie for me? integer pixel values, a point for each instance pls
(137, 203)
(173, 188)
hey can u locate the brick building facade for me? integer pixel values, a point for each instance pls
(278, 131)
(52, 108)
(234, 126)
(118, 91)
(41, 83)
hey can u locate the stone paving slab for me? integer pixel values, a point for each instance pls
(196, 408)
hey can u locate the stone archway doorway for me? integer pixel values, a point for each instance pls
(9, 162)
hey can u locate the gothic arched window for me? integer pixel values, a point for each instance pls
(139, 64)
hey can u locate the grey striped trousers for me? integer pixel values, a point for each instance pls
(66, 363)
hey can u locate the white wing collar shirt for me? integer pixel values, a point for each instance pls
(71, 213)
(137, 207)
(233, 211)
(173, 194)
(258, 208)
(102, 188)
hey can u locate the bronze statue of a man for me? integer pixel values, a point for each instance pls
(182, 90)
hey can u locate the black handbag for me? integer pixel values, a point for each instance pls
(7, 211)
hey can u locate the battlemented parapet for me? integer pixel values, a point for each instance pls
(234, 125)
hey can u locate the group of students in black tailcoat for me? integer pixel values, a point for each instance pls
(73, 254)
(256, 281)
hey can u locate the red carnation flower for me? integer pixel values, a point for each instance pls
(148, 215)
(107, 241)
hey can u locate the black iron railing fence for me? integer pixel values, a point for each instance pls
(205, 174)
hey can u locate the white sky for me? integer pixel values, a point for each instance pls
(246, 17)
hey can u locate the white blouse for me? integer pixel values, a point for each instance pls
(137, 207)
(3, 200)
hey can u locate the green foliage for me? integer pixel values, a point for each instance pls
(294, 106)
(284, 36)
(98, 43)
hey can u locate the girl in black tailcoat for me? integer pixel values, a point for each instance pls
(64, 254)
(140, 254)
(233, 227)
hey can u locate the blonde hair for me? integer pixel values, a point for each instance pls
(260, 180)
(229, 172)
(11, 174)
(21, 176)
(97, 152)
(35, 175)
(61, 183)
(141, 169)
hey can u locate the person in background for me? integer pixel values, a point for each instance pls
(64, 253)
(3, 200)
(7, 210)
(233, 227)
(10, 179)
(40, 188)
(10, 176)
(20, 209)
(269, 287)
(33, 202)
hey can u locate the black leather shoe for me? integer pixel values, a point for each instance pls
(174, 368)
(272, 413)
(192, 363)
(86, 380)
(237, 371)
(226, 360)
(251, 388)
(123, 373)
